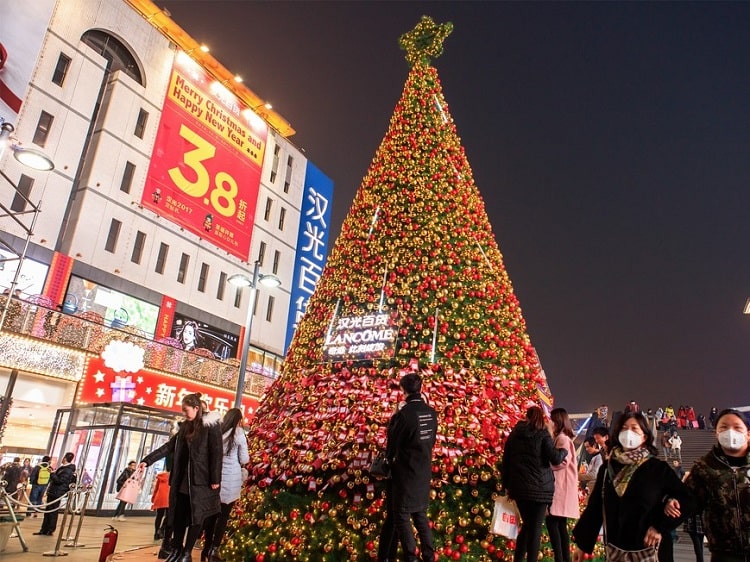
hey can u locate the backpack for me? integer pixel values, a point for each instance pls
(43, 476)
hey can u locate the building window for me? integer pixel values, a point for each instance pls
(161, 259)
(276, 258)
(262, 253)
(288, 178)
(140, 241)
(42, 129)
(140, 125)
(269, 308)
(127, 177)
(21, 197)
(114, 234)
(267, 212)
(237, 297)
(255, 305)
(282, 218)
(61, 69)
(182, 272)
(202, 278)
(275, 164)
(222, 284)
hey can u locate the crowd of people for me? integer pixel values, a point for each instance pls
(203, 476)
(636, 498)
(47, 483)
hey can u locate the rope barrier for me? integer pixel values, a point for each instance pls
(69, 517)
(35, 508)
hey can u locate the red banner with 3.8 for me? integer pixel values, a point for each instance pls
(205, 168)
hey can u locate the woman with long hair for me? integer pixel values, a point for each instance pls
(235, 457)
(565, 501)
(195, 478)
(630, 496)
(527, 477)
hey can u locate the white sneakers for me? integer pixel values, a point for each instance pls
(119, 518)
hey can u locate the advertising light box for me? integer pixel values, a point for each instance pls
(205, 168)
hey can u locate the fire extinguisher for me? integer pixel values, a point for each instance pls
(108, 543)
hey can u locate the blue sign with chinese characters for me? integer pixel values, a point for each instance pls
(312, 244)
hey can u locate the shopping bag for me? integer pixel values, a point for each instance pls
(505, 518)
(132, 487)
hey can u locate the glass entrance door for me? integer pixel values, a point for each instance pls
(104, 438)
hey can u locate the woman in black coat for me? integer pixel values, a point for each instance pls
(528, 478)
(636, 487)
(195, 479)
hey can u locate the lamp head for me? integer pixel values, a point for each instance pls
(30, 157)
(239, 280)
(269, 281)
(33, 158)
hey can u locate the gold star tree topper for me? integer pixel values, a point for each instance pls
(425, 41)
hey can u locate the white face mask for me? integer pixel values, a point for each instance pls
(629, 439)
(732, 440)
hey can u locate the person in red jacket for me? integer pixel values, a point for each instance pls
(160, 503)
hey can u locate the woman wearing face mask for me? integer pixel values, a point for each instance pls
(720, 482)
(631, 492)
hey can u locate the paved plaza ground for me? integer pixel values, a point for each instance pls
(135, 543)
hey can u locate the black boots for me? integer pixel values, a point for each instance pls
(175, 555)
(165, 550)
(211, 555)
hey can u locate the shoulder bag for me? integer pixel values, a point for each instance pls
(380, 467)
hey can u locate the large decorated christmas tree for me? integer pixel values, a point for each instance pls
(414, 283)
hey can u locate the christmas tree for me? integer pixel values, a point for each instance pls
(414, 283)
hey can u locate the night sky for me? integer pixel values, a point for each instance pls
(611, 144)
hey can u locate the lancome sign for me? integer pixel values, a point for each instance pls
(361, 337)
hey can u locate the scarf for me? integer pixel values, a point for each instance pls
(630, 461)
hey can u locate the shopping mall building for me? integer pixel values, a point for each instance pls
(171, 179)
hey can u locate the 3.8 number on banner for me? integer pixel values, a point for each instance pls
(222, 196)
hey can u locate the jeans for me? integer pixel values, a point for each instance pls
(402, 522)
(120, 508)
(37, 493)
(530, 535)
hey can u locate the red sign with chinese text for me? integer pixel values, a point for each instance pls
(205, 168)
(149, 388)
(166, 317)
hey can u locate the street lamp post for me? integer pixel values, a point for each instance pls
(241, 280)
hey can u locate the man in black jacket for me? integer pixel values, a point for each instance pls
(411, 437)
(59, 485)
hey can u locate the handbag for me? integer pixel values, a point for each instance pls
(380, 467)
(132, 487)
(616, 554)
(505, 518)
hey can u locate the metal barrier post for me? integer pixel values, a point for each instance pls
(68, 506)
(12, 514)
(81, 514)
